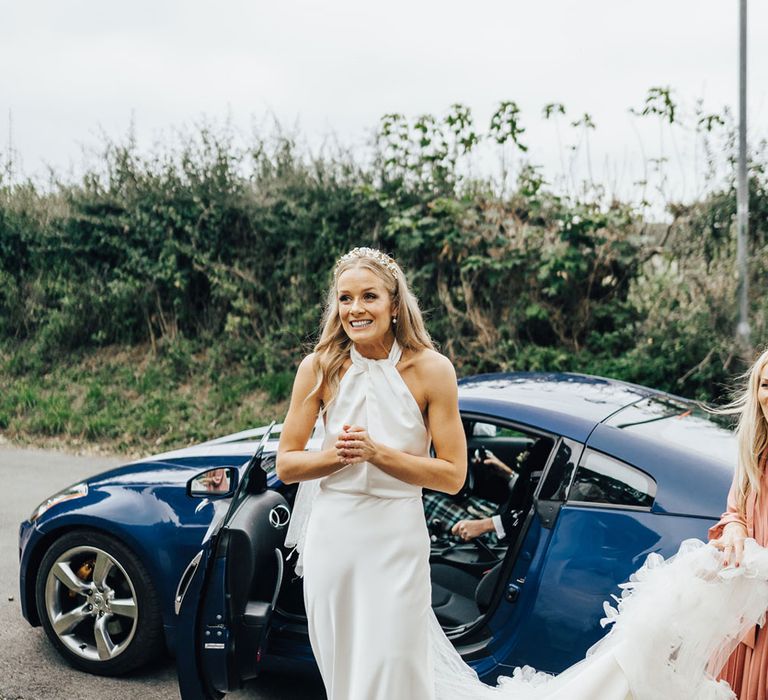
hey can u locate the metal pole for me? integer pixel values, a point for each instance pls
(742, 192)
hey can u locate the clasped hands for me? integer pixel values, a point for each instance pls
(355, 445)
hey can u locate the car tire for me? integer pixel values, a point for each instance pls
(97, 604)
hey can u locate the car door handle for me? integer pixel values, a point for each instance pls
(186, 579)
(279, 577)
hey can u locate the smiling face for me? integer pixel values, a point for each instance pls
(762, 391)
(365, 307)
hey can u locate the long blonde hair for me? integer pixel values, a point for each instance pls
(751, 433)
(333, 347)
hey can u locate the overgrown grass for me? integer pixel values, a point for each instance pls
(129, 399)
(136, 400)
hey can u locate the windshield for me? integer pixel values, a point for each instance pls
(681, 423)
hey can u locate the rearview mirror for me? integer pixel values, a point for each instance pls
(213, 483)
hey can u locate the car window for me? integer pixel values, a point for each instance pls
(495, 451)
(504, 432)
(603, 479)
(681, 423)
(512, 446)
(560, 472)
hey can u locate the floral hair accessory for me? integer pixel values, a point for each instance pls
(382, 258)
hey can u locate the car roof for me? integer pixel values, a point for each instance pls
(591, 398)
(565, 403)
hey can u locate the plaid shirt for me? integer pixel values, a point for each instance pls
(439, 506)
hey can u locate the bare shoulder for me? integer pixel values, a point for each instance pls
(432, 366)
(433, 361)
(306, 375)
(307, 365)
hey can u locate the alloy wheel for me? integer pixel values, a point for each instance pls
(91, 603)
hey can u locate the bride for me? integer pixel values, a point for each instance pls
(385, 395)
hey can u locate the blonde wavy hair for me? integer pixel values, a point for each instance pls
(751, 433)
(333, 347)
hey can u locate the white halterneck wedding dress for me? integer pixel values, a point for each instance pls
(366, 555)
(364, 550)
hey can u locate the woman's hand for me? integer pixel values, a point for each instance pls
(470, 529)
(355, 445)
(732, 543)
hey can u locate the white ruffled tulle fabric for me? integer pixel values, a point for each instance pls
(673, 628)
(678, 621)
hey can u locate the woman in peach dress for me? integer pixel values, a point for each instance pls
(747, 516)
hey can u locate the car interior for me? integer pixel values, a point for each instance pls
(465, 574)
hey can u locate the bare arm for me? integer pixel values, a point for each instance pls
(293, 462)
(445, 472)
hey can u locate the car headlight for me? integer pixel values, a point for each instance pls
(67, 494)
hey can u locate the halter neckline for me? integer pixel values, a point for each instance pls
(360, 361)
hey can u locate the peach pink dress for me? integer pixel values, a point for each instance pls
(747, 668)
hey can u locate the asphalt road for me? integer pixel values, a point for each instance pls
(30, 669)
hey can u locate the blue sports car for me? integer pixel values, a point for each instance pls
(186, 550)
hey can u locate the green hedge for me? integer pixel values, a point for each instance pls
(210, 245)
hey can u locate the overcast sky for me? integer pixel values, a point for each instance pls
(73, 69)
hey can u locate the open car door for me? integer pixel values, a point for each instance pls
(226, 596)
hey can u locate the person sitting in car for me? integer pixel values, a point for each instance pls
(473, 517)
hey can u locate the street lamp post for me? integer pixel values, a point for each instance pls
(742, 192)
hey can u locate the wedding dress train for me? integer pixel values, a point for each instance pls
(672, 630)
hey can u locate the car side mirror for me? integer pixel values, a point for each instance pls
(213, 483)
